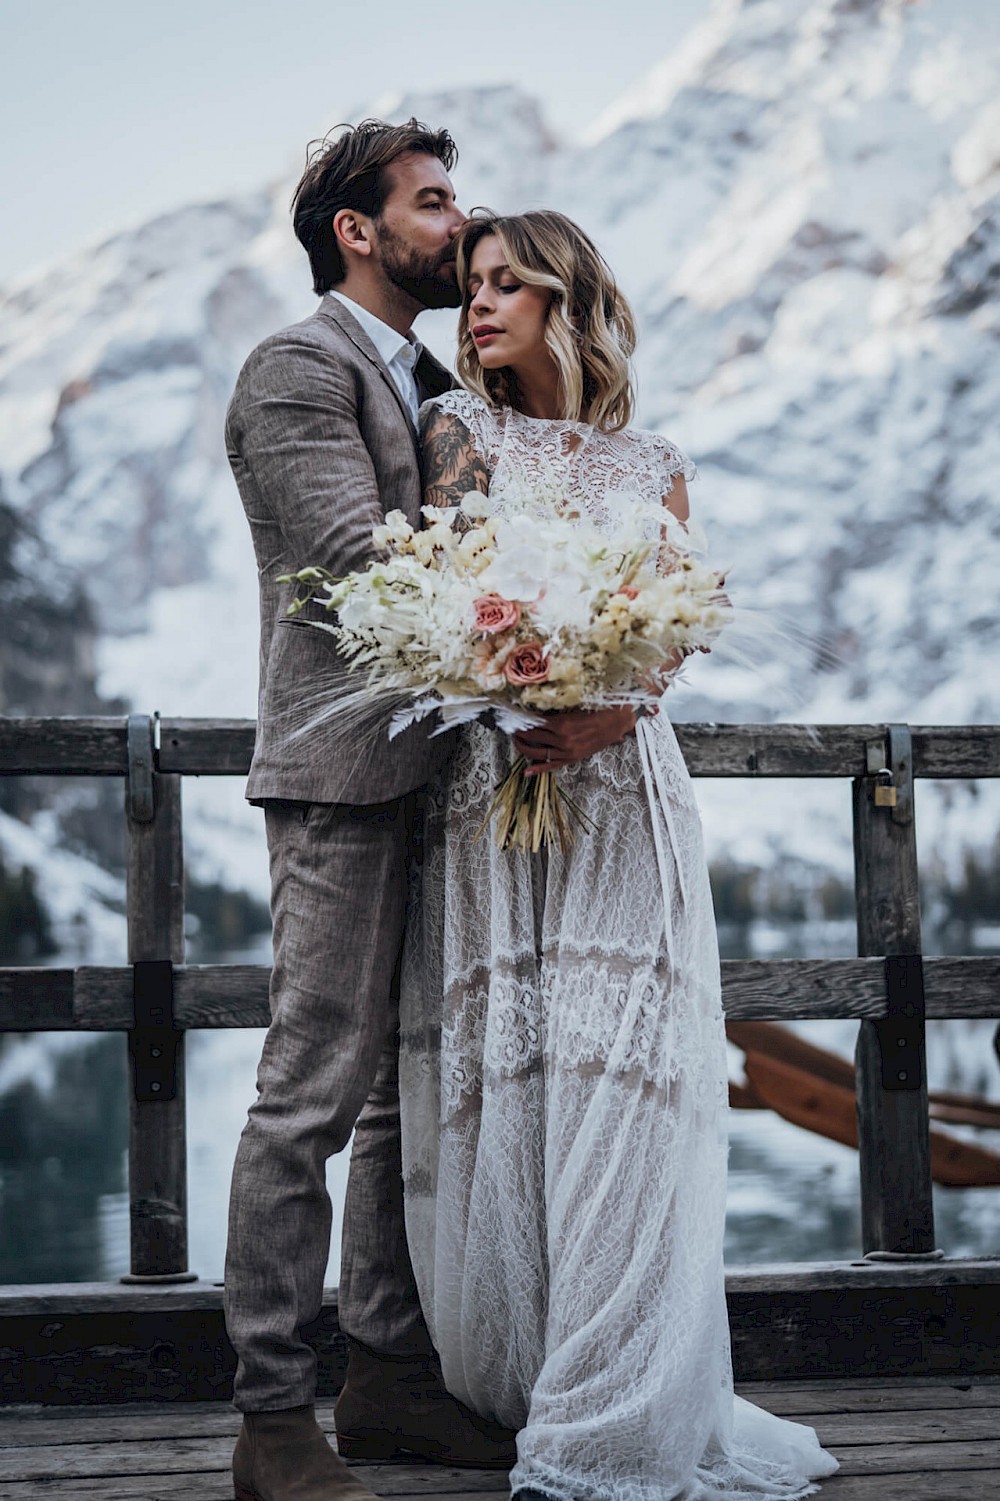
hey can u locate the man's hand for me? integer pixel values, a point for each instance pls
(572, 736)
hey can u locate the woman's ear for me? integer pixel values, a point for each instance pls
(352, 231)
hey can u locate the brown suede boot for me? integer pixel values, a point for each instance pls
(285, 1456)
(392, 1407)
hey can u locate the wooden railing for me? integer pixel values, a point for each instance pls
(156, 998)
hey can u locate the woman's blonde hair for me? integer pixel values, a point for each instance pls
(590, 328)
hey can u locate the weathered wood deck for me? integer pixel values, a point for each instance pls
(898, 1439)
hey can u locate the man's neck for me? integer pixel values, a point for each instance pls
(384, 301)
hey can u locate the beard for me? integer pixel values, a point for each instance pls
(429, 279)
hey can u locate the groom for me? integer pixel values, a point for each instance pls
(321, 435)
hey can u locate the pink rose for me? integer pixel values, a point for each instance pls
(526, 664)
(629, 591)
(495, 614)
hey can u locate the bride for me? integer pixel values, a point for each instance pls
(562, 1050)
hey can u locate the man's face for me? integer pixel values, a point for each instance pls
(416, 230)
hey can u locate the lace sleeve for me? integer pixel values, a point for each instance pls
(451, 462)
(670, 463)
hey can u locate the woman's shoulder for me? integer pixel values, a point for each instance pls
(658, 449)
(460, 402)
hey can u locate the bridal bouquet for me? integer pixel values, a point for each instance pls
(518, 605)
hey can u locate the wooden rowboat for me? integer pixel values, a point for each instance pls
(814, 1088)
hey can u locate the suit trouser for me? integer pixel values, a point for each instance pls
(329, 1065)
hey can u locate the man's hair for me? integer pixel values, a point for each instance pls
(350, 172)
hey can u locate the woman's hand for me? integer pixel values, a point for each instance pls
(572, 736)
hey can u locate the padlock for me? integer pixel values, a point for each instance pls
(885, 792)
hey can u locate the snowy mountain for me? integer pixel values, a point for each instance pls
(803, 203)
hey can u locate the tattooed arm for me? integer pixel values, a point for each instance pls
(449, 463)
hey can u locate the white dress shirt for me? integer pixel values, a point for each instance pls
(400, 352)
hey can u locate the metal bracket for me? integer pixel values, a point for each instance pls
(890, 762)
(141, 808)
(901, 1032)
(153, 1039)
(899, 759)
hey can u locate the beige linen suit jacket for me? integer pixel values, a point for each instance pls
(321, 445)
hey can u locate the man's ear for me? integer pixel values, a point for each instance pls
(353, 231)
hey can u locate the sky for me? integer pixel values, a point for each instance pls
(112, 111)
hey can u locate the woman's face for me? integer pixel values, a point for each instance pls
(506, 317)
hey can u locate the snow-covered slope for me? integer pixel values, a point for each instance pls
(803, 202)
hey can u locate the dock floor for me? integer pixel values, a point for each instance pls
(899, 1439)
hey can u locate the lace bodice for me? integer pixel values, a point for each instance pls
(593, 465)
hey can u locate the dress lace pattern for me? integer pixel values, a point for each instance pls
(564, 1097)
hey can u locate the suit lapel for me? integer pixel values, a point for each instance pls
(337, 313)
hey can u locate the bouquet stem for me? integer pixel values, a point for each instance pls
(533, 812)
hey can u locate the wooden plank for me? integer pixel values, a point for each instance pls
(36, 1000)
(774, 750)
(200, 1455)
(70, 746)
(157, 1155)
(223, 747)
(60, 1300)
(960, 1383)
(956, 751)
(897, 1212)
(814, 1400)
(82, 1347)
(234, 995)
(206, 747)
(99, 999)
(215, 1486)
(884, 1457)
(158, 1350)
(975, 1485)
(129, 1423)
(88, 1299)
(786, 989)
(872, 1277)
(914, 1424)
(851, 1332)
(102, 998)
(112, 1425)
(937, 1458)
(913, 1427)
(831, 750)
(970, 1382)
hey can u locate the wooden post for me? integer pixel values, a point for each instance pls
(897, 1216)
(155, 904)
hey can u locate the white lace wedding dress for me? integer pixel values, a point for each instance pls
(563, 1083)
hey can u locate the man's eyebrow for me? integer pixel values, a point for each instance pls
(434, 193)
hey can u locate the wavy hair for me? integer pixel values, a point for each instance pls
(590, 328)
